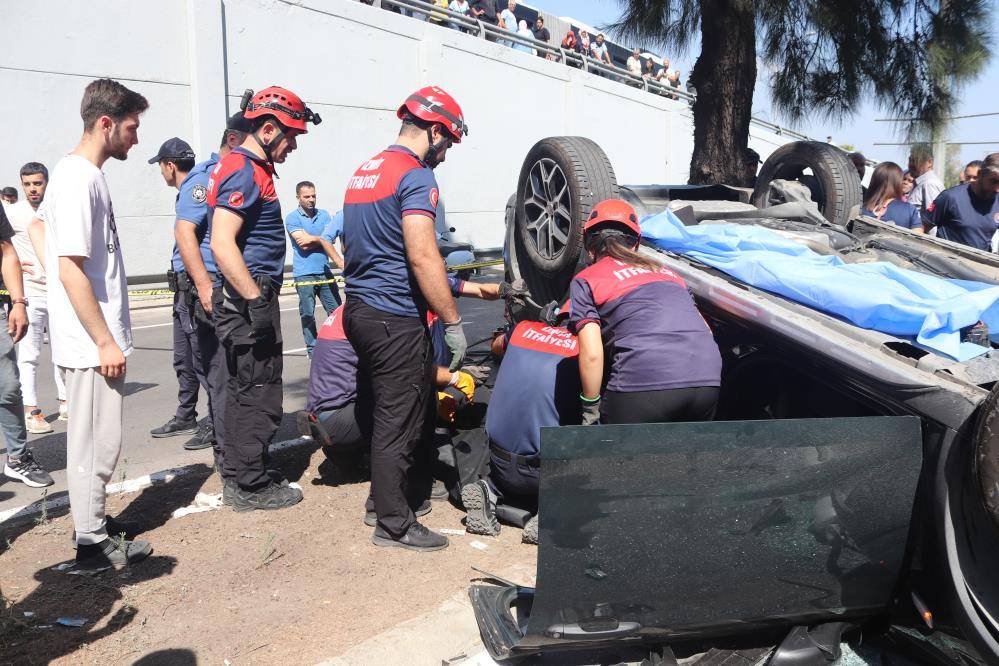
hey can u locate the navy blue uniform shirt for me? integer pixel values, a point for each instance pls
(244, 183)
(389, 186)
(962, 217)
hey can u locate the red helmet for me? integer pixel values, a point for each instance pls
(611, 211)
(284, 105)
(435, 106)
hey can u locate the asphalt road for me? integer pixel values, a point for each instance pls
(151, 396)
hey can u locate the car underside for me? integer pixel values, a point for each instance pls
(845, 493)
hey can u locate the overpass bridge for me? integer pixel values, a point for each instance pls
(353, 63)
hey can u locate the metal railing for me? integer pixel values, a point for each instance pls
(446, 18)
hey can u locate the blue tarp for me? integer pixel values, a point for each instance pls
(878, 296)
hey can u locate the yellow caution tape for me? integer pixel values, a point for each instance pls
(289, 285)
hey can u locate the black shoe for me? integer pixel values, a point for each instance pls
(109, 553)
(309, 426)
(26, 470)
(203, 439)
(371, 518)
(417, 537)
(270, 497)
(174, 427)
(439, 492)
(228, 493)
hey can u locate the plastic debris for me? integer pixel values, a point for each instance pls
(29, 614)
(202, 502)
(72, 621)
(596, 573)
(63, 566)
(452, 532)
(295, 485)
(478, 545)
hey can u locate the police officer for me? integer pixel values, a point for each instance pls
(176, 161)
(193, 245)
(537, 386)
(247, 240)
(394, 272)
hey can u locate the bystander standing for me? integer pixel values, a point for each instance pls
(970, 172)
(969, 213)
(542, 34)
(9, 195)
(927, 184)
(312, 232)
(884, 201)
(907, 183)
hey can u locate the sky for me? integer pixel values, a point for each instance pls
(860, 130)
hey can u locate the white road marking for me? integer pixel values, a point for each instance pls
(292, 351)
(170, 323)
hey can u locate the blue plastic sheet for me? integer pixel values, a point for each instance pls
(878, 296)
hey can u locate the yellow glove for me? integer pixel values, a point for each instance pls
(465, 383)
(446, 407)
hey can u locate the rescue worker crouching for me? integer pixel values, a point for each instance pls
(537, 385)
(665, 365)
(394, 274)
(248, 242)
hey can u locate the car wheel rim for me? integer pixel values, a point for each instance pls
(548, 208)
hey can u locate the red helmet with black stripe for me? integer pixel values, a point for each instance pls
(613, 211)
(433, 105)
(285, 106)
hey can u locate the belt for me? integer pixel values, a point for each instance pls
(503, 454)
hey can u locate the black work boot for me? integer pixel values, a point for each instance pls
(270, 497)
(371, 518)
(480, 510)
(228, 492)
(417, 537)
(174, 427)
(204, 438)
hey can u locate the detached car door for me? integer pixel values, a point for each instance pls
(667, 532)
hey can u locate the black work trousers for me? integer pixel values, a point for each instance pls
(253, 395)
(396, 375)
(187, 361)
(215, 371)
(696, 403)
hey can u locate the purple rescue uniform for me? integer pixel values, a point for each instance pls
(659, 339)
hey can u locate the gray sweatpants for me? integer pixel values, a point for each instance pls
(93, 444)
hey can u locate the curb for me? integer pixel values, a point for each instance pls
(58, 500)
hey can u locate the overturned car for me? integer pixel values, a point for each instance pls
(845, 501)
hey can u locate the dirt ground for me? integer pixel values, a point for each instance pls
(294, 586)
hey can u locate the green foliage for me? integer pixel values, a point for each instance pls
(824, 57)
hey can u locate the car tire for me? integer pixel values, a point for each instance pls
(560, 181)
(834, 181)
(986, 459)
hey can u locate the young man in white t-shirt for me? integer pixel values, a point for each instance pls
(34, 180)
(88, 306)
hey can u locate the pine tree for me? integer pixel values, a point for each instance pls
(910, 56)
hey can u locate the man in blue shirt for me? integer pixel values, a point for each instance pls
(176, 161)
(969, 213)
(313, 232)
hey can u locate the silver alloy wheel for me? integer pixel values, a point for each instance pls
(548, 208)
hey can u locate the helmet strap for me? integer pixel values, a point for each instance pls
(266, 147)
(432, 157)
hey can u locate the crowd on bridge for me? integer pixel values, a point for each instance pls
(388, 375)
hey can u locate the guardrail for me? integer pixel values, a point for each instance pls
(448, 19)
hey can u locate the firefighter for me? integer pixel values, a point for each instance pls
(394, 274)
(248, 243)
(664, 365)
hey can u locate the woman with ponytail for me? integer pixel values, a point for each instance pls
(664, 363)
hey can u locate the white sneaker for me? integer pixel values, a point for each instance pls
(63, 411)
(36, 423)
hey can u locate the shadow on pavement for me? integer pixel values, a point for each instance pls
(89, 598)
(169, 657)
(131, 388)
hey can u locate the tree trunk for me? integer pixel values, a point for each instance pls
(724, 76)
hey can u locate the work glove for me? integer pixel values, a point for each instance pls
(454, 338)
(464, 382)
(550, 313)
(591, 410)
(515, 289)
(261, 321)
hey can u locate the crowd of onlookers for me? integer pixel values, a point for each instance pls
(916, 199)
(503, 14)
